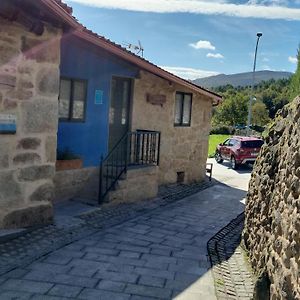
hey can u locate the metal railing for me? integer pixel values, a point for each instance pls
(140, 148)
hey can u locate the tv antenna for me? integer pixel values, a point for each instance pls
(137, 49)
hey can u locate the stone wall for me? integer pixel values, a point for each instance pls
(29, 81)
(138, 184)
(272, 226)
(80, 183)
(183, 149)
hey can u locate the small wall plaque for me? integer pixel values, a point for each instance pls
(8, 124)
(98, 97)
(157, 99)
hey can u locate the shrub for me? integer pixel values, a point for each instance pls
(222, 129)
(66, 154)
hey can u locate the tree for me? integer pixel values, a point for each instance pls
(232, 111)
(295, 82)
(271, 96)
(260, 115)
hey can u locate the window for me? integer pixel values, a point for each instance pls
(226, 143)
(252, 144)
(72, 99)
(183, 109)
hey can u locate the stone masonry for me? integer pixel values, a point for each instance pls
(29, 79)
(183, 149)
(272, 226)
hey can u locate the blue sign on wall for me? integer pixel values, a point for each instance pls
(98, 97)
(8, 124)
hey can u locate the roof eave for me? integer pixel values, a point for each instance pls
(144, 64)
(61, 13)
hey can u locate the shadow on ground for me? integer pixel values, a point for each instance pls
(242, 169)
(158, 254)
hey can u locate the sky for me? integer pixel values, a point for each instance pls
(200, 38)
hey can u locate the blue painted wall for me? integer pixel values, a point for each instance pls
(81, 60)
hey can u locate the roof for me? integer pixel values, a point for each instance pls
(246, 138)
(62, 10)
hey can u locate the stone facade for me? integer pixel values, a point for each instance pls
(138, 184)
(82, 183)
(29, 79)
(183, 149)
(272, 226)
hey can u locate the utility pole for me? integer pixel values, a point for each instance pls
(259, 35)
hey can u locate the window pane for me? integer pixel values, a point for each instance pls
(79, 94)
(187, 106)
(178, 108)
(64, 98)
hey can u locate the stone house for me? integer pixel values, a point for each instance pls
(107, 92)
(30, 33)
(62, 86)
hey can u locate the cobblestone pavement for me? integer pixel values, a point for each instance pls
(158, 253)
(38, 242)
(232, 274)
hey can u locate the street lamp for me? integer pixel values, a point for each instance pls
(259, 35)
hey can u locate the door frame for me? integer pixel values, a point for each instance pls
(132, 84)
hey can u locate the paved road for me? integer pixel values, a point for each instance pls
(158, 255)
(234, 178)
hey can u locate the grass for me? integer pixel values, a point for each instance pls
(214, 140)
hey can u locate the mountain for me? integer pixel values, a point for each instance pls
(240, 79)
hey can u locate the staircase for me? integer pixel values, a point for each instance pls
(130, 169)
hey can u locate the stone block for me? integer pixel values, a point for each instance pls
(7, 79)
(65, 291)
(32, 215)
(20, 94)
(15, 295)
(111, 286)
(41, 50)
(50, 148)
(39, 117)
(152, 281)
(4, 161)
(26, 159)
(34, 173)
(119, 277)
(4, 153)
(27, 286)
(11, 191)
(91, 294)
(8, 54)
(29, 143)
(44, 192)
(9, 104)
(65, 279)
(142, 290)
(25, 84)
(48, 81)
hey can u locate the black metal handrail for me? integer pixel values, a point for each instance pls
(133, 149)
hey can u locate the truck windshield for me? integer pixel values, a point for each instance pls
(252, 144)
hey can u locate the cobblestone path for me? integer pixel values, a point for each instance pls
(156, 254)
(232, 274)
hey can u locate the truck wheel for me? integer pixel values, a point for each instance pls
(233, 163)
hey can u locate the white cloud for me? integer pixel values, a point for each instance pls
(268, 2)
(293, 59)
(214, 55)
(265, 59)
(203, 45)
(189, 73)
(199, 7)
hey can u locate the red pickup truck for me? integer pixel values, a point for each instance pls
(239, 150)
